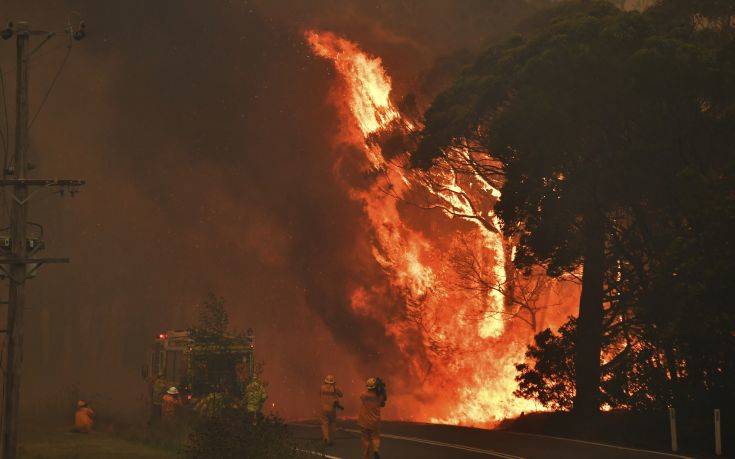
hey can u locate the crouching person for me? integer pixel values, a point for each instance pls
(83, 418)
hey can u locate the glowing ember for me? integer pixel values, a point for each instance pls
(464, 368)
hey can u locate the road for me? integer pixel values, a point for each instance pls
(427, 441)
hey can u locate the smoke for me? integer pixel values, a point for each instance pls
(204, 131)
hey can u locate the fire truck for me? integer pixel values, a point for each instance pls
(175, 359)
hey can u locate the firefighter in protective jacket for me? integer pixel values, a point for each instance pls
(372, 400)
(83, 418)
(329, 397)
(255, 397)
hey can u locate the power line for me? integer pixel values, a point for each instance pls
(51, 86)
(51, 50)
(73, 35)
(37, 55)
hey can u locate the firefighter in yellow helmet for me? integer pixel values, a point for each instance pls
(83, 418)
(329, 397)
(368, 418)
(170, 405)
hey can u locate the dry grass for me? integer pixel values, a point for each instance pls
(60, 444)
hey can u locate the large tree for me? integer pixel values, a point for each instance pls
(594, 114)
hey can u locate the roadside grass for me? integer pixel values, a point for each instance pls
(68, 445)
(45, 431)
(271, 439)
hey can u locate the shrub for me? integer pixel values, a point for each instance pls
(232, 434)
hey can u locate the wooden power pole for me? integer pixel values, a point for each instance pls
(20, 264)
(16, 297)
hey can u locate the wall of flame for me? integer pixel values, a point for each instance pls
(459, 346)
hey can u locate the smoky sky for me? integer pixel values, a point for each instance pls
(204, 131)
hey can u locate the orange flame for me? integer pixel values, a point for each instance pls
(469, 349)
(369, 85)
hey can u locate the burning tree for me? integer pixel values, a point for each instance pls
(557, 191)
(525, 300)
(598, 118)
(460, 340)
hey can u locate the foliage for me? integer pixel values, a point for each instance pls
(255, 395)
(212, 315)
(542, 107)
(232, 434)
(216, 355)
(212, 405)
(551, 379)
(615, 132)
(633, 375)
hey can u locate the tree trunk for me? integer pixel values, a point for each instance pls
(589, 324)
(510, 273)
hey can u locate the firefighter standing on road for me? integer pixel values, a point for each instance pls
(329, 396)
(369, 418)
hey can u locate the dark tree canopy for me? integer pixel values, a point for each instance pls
(615, 132)
(213, 316)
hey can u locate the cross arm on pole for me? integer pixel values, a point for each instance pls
(17, 183)
(41, 182)
(36, 262)
(28, 261)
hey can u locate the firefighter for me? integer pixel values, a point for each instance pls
(368, 418)
(329, 396)
(170, 404)
(255, 397)
(243, 372)
(157, 392)
(83, 418)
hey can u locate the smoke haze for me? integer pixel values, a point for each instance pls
(204, 132)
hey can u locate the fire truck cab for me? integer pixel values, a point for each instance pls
(168, 357)
(176, 360)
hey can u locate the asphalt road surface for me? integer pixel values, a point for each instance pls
(426, 441)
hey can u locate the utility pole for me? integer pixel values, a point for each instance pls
(16, 297)
(16, 265)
